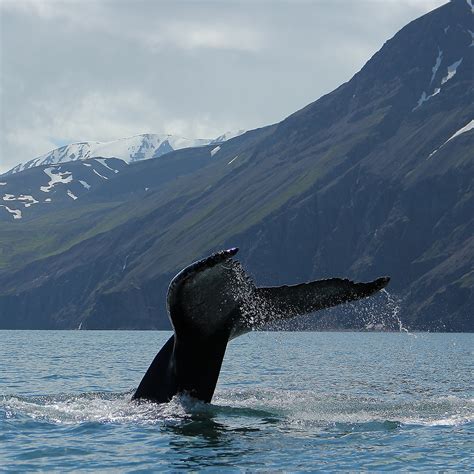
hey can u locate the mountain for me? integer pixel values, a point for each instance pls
(130, 149)
(374, 178)
(42, 189)
(67, 173)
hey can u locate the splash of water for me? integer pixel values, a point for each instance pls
(374, 314)
(294, 407)
(255, 310)
(394, 306)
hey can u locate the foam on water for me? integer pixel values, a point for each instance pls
(305, 407)
(284, 406)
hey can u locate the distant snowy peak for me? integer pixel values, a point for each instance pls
(227, 136)
(130, 149)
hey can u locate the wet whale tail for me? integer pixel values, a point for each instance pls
(213, 301)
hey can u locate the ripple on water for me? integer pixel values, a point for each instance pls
(284, 402)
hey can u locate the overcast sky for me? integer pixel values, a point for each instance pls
(100, 70)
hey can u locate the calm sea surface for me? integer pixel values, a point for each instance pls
(285, 401)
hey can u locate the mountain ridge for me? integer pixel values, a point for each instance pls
(345, 186)
(129, 149)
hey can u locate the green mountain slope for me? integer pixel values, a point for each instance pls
(374, 178)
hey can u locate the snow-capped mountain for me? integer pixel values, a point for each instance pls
(373, 178)
(227, 136)
(130, 149)
(61, 176)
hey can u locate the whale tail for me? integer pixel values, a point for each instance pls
(212, 301)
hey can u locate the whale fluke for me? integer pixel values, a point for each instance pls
(213, 301)
(296, 300)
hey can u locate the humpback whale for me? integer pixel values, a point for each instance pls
(213, 301)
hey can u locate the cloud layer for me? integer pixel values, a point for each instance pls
(100, 70)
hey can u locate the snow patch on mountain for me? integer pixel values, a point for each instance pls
(31, 200)
(100, 175)
(424, 98)
(466, 128)
(27, 199)
(424, 95)
(55, 177)
(451, 71)
(215, 150)
(15, 212)
(71, 194)
(103, 162)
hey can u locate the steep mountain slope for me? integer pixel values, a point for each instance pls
(373, 178)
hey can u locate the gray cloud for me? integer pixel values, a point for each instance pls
(100, 70)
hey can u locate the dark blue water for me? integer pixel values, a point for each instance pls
(288, 401)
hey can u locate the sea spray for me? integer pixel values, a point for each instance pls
(393, 304)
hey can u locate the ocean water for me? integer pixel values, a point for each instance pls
(284, 401)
